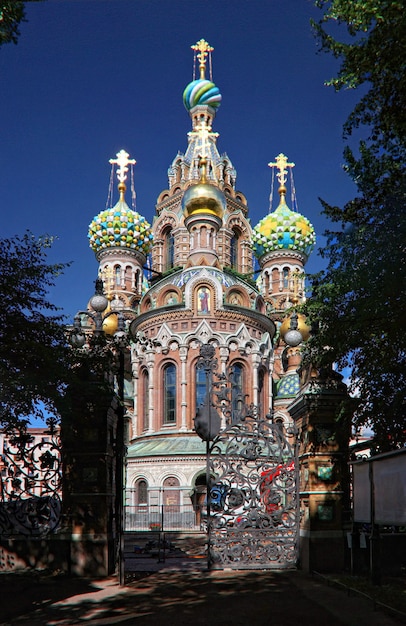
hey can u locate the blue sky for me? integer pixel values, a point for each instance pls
(89, 77)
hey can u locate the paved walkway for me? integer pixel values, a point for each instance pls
(179, 598)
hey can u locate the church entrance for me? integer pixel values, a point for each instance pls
(253, 502)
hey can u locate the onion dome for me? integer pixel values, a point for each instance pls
(288, 386)
(283, 230)
(201, 91)
(110, 325)
(203, 198)
(120, 226)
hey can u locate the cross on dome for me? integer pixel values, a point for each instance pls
(122, 161)
(203, 49)
(203, 132)
(281, 162)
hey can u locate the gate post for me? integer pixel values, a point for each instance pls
(89, 482)
(323, 464)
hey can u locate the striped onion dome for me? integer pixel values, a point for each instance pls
(201, 91)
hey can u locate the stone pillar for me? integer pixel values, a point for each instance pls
(324, 483)
(183, 352)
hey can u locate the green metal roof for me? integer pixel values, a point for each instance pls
(159, 446)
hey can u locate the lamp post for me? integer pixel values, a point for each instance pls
(207, 425)
(78, 337)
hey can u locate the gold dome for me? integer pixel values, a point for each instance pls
(302, 327)
(110, 324)
(205, 199)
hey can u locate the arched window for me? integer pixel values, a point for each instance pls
(141, 493)
(128, 273)
(171, 494)
(234, 249)
(200, 387)
(237, 391)
(117, 275)
(279, 424)
(169, 249)
(169, 386)
(286, 274)
(145, 400)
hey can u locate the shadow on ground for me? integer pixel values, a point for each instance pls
(161, 599)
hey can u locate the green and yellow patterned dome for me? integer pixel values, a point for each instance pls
(283, 230)
(120, 227)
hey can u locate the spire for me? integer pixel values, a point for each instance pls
(202, 91)
(281, 163)
(203, 49)
(122, 161)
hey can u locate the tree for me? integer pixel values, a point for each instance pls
(358, 301)
(34, 355)
(12, 13)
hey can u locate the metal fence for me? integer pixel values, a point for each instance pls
(163, 517)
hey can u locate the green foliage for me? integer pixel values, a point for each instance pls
(372, 51)
(33, 349)
(12, 13)
(358, 302)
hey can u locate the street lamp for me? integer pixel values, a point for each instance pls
(207, 425)
(78, 337)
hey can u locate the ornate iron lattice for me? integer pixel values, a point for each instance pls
(30, 502)
(253, 501)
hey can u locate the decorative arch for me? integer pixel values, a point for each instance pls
(235, 249)
(169, 295)
(260, 305)
(146, 304)
(203, 279)
(237, 297)
(204, 334)
(144, 397)
(238, 388)
(169, 378)
(163, 196)
(140, 493)
(168, 252)
(171, 493)
(203, 299)
(281, 419)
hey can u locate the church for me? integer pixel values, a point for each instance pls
(200, 274)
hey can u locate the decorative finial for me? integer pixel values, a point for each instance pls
(203, 169)
(281, 163)
(122, 161)
(202, 48)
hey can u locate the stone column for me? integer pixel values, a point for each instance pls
(183, 350)
(324, 484)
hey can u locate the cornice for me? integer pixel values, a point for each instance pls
(272, 255)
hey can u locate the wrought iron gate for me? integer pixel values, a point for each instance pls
(253, 502)
(30, 482)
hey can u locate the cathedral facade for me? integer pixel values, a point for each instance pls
(200, 274)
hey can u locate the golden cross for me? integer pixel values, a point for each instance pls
(203, 49)
(281, 162)
(122, 161)
(203, 131)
